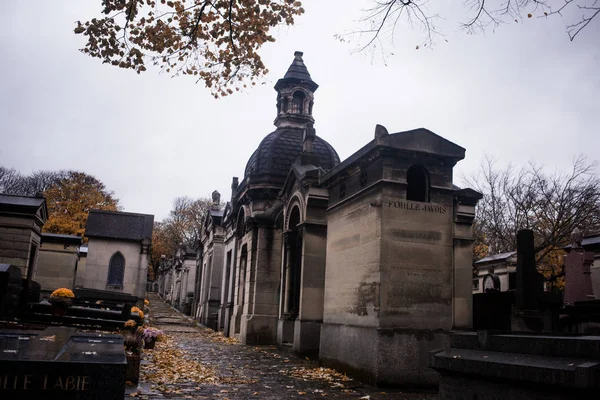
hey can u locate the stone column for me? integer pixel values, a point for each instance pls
(307, 327)
(142, 277)
(259, 321)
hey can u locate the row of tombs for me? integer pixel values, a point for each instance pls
(368, 263)
(365, 262)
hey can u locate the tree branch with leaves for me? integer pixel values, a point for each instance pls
(214, 41)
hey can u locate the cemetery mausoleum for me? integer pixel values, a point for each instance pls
(118, 251)
(366, 263)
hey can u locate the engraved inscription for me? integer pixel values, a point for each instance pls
(44, 382)
(421, 207)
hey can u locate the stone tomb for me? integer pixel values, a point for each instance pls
(58, 363)
(399, 258)
(492, 366)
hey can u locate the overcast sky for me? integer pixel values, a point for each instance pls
(522, 93)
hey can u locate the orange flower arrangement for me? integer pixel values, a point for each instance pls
(63, 292)
(130, 323)
(137, 310)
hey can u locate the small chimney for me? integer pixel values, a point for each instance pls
(309, 138)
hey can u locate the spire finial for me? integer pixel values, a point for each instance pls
(298, 55)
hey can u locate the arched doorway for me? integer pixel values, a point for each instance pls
(294, 273)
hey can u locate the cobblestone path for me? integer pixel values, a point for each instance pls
(197, 363)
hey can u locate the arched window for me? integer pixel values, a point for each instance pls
(116, 269)
(298, 103)
(417, 179)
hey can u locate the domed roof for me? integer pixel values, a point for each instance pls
(278, 151)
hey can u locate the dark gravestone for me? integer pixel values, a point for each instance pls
(58, 363)
(31, 291)
(530, 284)
(535, 310)
(10, 289)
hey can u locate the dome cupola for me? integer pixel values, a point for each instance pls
(295, 95)
(294, 136)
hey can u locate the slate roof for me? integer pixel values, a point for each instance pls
(297, 72)
(496, 257)
(420, 140)
(24, 201)
(278, 151)
(591, 240)
(24, 205)
(60, 238)
(588, 241)
(119, 225)
(216, 213)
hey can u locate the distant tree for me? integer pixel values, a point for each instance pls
(13, 182)
(215, 41)
(10, 180)
(380, 21)
(163, 241)
(71, 198)
(181, 228)
(551, 204)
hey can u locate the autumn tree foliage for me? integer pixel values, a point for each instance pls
(551, 204)
(70, 195)
(215, 41)
(71, 198)
(181, 228)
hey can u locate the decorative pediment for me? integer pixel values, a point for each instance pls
(424, 141)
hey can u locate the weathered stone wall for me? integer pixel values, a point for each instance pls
(416, 262)
(96, 272)
(595, 276)
(392, 269)
(17, 235)
(259, 319)
(80, 273)
(56, 266)
(352, 277)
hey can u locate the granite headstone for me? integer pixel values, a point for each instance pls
(58, 363)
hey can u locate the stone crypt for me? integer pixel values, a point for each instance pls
(366, 263)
